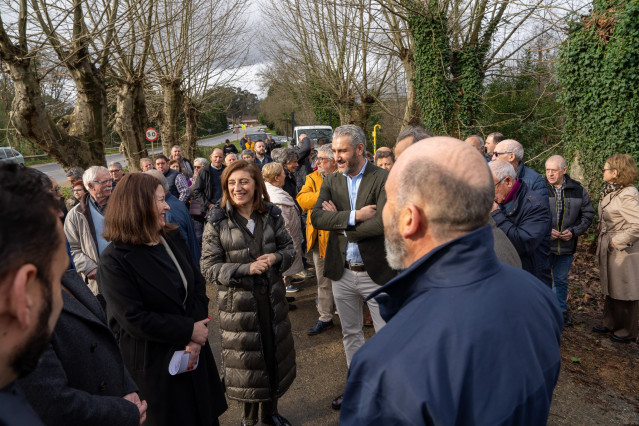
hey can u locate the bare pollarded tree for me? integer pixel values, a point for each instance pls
(58, 30)
(331, 41)
(191, 54)
(217, 51)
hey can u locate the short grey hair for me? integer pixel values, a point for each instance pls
(453, 204)
(513, 146)
(115, 164)
(203, 161)
(416, 132)
(355, 134)
(248, 152)
(276, 154)
(558, 159)
(75, 173)
(287, 155)
(501, 169)
(160, 177)
(496, 137)
(91, 174)
(326, 149)
(229, 154)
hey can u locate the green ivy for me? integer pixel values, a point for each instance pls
(599, 73)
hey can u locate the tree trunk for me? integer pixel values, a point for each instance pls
(412, 113)
(192, 114)
(73, 145)
(131, 121)
(173, 97)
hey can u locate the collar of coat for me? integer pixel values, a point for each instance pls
(216, 214)
(459, 262)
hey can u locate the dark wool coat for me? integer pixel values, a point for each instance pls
(150, 323)
(81, 377)
(225, 261)
(468, 341)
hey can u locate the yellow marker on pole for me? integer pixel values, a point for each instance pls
(243, 126)
(377, 126)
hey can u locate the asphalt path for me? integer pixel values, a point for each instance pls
(56, 171)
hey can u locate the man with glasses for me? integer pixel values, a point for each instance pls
(116, 172)
(317, 239)
(525, 218)
(85, 222)
(512, 151)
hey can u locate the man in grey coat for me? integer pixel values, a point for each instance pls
(81, 378)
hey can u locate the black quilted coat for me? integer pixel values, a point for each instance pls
(225, 261)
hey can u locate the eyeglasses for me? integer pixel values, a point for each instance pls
(497, 154)
(500, 181)
(323, 159)
(197, 167)
(606, 170)
(78, 190)
(115, 171)
(103, 181)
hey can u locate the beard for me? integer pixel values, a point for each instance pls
(26, 358)
(395, 246)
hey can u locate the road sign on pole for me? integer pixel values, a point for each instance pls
(151, 134)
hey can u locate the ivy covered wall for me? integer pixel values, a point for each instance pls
(599, 74)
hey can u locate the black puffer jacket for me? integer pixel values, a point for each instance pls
(225, 261)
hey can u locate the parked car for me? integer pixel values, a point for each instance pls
(9, 154)
(313, 132)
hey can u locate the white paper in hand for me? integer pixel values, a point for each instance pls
(179, 363)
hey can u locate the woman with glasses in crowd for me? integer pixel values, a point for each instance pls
(618, 250)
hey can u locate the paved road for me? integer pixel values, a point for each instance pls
(57, 172)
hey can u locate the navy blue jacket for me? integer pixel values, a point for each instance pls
(532, 179)
(468, 340)
(526, 222)
(179, 215)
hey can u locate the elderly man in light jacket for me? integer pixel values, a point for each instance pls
(84, 223)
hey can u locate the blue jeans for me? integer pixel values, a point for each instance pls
(560, 268)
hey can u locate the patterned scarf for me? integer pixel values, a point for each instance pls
(609, 187)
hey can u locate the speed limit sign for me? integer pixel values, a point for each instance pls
(151, 134)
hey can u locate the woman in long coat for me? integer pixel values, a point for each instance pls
(157, 305)
(245, 249)
(617, 249)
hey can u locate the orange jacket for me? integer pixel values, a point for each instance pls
(306, 198)
(250, 145)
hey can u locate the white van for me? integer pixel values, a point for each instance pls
(313, 132)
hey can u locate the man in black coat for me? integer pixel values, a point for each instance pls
(572, 214)
(207, 189)
(81, 378)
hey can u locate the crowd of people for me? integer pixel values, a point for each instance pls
(459, 252)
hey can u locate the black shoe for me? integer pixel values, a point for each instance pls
(276, 420)
(337, 402)
(567, 320)
(297, 280)
(620, 339)
(601, 329)
(319, 327)
(290, 299)
(291, 307)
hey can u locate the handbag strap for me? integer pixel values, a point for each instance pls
(177, 265)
